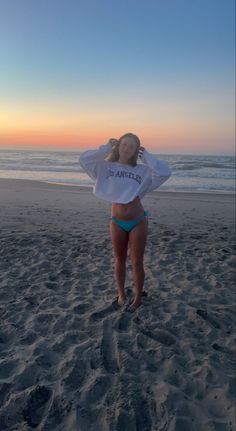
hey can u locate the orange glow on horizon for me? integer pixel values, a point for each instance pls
(164, 141)
(163, 126)
(169, 136)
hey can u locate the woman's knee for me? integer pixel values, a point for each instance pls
(120, 260)
(137, 263)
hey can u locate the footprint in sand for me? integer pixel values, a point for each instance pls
(208, 318)
(162, 337)
(36, 405)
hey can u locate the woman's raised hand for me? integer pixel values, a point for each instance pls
(141, 149)
(113, 142)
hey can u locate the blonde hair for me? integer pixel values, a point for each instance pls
(114, 156)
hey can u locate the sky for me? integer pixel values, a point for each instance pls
(74, 73)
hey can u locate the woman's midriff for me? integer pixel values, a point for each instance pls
(127, 211)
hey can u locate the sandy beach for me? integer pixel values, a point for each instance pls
(71, 359)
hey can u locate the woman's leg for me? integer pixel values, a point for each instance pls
(120, 245)
(137, 243)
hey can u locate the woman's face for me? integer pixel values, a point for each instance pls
(127, 148)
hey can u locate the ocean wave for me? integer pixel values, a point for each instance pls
(189, 172)
(184, 166)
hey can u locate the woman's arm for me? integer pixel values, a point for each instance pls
(90, 159)
(159, 169)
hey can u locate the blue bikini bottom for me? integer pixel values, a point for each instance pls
(128, 225)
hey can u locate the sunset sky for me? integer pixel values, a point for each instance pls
(74, 73)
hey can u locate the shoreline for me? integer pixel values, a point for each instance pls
(35, 183)
(24, 200)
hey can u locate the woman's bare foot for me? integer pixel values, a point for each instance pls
(134, 305)
(121, 299)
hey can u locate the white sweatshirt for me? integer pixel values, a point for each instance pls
(119, 182)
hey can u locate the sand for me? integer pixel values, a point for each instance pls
(71, 359)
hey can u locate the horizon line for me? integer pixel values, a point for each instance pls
(82, 150)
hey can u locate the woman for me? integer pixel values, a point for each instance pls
(124, 182)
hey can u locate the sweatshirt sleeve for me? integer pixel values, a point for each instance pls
(159, 170)
(90, 159)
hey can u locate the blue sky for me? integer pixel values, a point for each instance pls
(141, 66)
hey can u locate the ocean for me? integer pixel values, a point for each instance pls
(190, 173)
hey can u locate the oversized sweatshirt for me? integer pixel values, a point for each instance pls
(120, 182)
